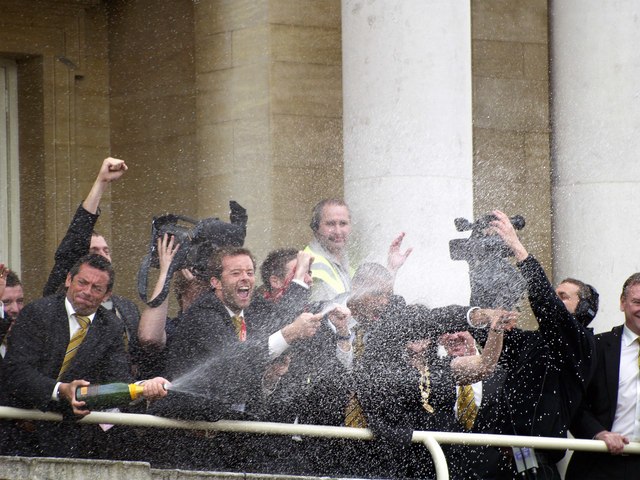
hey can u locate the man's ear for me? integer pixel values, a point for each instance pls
(215, 283)
(275, 283)
(67, 282)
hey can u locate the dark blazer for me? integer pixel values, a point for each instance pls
(598, 409)
(548, 369)
(206, 357)
(36, 350)
(75, 245)
(37, 346)
(475, 462)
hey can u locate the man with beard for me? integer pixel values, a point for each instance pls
(218, 356)
(609, 411)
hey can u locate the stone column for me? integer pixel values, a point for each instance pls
(408, 137)
(596, 119)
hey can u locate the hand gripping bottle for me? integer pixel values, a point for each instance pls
(110, 395)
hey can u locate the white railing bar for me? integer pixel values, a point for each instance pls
(144, 420)
(439, 460)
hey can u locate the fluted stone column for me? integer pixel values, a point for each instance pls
(408, 137)
(596, 139)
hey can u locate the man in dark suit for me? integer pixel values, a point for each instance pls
(11, 304)
(471, 462)
(548, 369)
(609, 410)
(81, 239)
(60, 343)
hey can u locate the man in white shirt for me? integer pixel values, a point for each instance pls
(611, 408)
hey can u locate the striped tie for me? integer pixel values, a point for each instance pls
(467, 409)
(354, 413)
(74, 343)
(240, 327)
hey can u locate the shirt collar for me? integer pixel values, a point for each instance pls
(71, 311)
(628, 337)
(231, 314)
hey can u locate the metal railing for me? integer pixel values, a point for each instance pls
(432, 440)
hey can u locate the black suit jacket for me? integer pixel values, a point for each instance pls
(36, 350)
(205, 357)
(475, 462)
(75, 245)
(548, 369)
(598, 410)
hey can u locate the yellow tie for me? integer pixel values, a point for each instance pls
(354, 414)
(467, 409)
(240, 327)
(74, 343)
(358, 343)
(425, 388)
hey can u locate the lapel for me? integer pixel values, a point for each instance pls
(94, 346)
(59, 334)
(610, 356)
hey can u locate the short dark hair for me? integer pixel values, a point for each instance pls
(215, 262)
(12, 279)
(99, 263)
(630, 282)
(584, 292)
(316, 213)
(275, 264)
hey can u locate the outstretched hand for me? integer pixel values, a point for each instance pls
(396, 258)
(498, 319)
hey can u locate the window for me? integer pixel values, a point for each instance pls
(9, 178)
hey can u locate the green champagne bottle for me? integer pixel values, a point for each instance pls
(110, 395)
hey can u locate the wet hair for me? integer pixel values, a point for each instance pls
(630, 282)
(316, 213)
(369, 276)
(98, 262)
(215, 262)
(13, 280)
(275, 264)
(183, 287)
(584, 292)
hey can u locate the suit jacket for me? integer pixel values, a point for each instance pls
(37, 346)
(598, 409)
(475, 462)
(205, 357)
(548, 369)
(75, 245)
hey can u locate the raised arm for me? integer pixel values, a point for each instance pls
(473, 368)
(396, 258)
(77, 240)
(112, 169)
(152, 332)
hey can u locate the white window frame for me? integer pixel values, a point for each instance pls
(9, 166)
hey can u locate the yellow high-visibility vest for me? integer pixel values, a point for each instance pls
(323, 269)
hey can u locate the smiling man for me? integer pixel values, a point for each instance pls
(215, 322)
(331, 271)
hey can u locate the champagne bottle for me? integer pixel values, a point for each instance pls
(110, 395)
